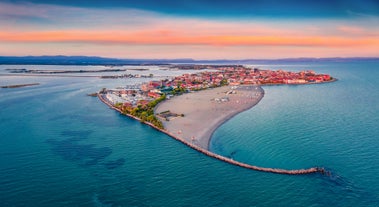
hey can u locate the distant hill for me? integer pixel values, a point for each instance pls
(92, 60)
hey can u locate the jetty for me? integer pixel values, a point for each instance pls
(205, 151)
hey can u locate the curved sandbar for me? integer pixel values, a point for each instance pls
(204, 111)
(244, 98)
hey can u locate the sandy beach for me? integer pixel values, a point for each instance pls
(206, 110)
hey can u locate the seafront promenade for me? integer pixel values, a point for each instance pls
(210, 109)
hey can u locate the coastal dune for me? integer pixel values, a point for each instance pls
(204, 111)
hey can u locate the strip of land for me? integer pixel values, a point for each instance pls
(23, 70)
(199, 114)
(19, 85)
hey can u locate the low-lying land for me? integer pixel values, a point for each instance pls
(23, 70)
(19, 85)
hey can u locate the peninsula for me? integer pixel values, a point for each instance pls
(191, 107)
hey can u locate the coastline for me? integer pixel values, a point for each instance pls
(297, 84)
(219, 157)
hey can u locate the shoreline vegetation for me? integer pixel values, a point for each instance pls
(144, 112)
(191, 107)
(20, 85)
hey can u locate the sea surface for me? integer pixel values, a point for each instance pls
(60, 147)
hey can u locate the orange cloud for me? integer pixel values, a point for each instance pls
(167, 37)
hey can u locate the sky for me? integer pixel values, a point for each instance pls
(198, 29)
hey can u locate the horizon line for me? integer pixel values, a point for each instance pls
(184, 58)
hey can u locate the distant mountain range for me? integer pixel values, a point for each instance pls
(91, 60)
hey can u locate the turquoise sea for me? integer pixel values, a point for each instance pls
(59, 147)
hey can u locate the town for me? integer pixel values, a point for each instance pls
(140, 102)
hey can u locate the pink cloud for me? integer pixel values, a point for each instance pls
(351, 30)
(80, 31)
(169, 37)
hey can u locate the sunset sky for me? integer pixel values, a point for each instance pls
(199, 29)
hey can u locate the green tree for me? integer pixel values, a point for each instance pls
(224, 82)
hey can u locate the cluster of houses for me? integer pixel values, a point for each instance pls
(236, 75)
(127, 97)
(228, 75)
(127, 76)
(285, 77)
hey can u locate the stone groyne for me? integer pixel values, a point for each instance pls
(219, 157)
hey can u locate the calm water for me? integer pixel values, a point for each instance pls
(59, 147)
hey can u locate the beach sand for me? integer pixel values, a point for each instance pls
(204, 111)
